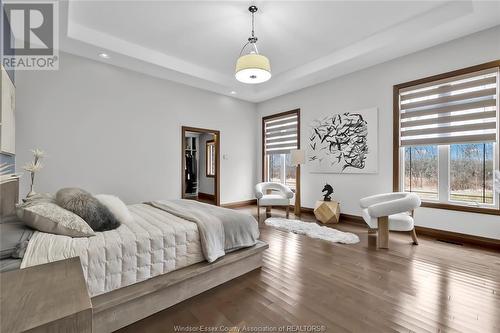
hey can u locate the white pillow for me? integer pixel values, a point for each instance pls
(116, 207)
(49, 217)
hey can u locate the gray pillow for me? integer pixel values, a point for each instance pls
(49, 217)
(13, 234)
(83, 204)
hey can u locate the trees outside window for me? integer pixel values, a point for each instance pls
(471, 173)
(421, 171)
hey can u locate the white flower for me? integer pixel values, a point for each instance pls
(38, 153)
(33, 167)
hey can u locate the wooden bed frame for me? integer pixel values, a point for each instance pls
(121, 307)
(124, 306)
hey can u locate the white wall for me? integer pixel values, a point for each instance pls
(373, 87)
(110, 130)
(205, 184)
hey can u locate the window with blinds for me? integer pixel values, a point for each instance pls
(460, 109)
(446, 139)
(281, 133)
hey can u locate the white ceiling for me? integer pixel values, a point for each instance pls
(307, 42)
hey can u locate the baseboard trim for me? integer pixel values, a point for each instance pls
(306, 210)
(437, 234)
(239, 204)
(444, 235)
(206, 196)
(343, 217)
(450, 236)
(460, 238)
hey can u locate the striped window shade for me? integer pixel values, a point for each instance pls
(281, 134)
(460, 109)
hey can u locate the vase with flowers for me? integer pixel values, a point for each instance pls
(33, 167)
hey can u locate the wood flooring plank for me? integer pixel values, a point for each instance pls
(432, 287)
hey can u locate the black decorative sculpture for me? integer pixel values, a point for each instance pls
(329, 190)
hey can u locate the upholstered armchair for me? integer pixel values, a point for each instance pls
(270, 194)
(390, 211)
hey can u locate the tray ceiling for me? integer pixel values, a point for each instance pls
(197, 43)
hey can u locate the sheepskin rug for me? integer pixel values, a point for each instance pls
(312, 230)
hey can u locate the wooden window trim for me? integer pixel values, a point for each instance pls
(208, 143)
(395, 137)
(277, 115)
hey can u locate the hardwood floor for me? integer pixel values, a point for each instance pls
(208, 201)
(432, 287)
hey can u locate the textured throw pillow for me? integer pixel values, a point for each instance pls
(83, 204)
(49, 217)
(116, 207)
(39, 197)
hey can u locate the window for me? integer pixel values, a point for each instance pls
(446, 147)
(210, 158)
(281, 133)
(421, 171)
(471, 173)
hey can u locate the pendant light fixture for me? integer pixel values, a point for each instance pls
(252, 67)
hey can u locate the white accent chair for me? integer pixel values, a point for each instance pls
(270, 194)
(390, 211)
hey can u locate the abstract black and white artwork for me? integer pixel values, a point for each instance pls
(344, 143)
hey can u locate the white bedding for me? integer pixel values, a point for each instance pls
(156, 242)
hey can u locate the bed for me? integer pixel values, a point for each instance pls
(155, 243)
(162, 257)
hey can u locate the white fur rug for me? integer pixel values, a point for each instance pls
(313, 230)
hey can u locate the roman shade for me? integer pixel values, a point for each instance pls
(459, 109)
(281, 134)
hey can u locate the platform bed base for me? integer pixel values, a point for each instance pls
(124, 306)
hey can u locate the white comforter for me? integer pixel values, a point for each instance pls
(155, 243)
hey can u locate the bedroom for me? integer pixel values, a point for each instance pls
(109, 115)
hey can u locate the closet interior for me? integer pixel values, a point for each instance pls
(200, 166)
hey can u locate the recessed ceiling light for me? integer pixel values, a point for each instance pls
(233, 92)
(104, 55)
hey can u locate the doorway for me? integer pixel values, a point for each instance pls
(200, 164)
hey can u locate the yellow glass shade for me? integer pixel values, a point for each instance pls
(253, 68)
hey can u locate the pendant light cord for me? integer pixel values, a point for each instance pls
(252, 40)
(253, 22)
